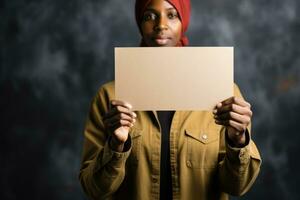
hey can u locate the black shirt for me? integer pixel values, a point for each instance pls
(165, 119)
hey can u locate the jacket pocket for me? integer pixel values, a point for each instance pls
(136, 135)
(202, 148)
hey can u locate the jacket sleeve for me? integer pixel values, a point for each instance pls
(238, 167)
(102, 170)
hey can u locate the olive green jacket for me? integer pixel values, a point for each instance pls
(203, 165)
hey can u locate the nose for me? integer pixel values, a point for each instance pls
(162, 24)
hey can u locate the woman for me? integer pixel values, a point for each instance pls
(167, 154)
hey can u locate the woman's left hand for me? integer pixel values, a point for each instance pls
(234, 113)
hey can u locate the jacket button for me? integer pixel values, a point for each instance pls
(204, 137)
(242, 153)
(189, 164)
(154, 180)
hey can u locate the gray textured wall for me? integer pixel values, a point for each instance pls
(55, 54)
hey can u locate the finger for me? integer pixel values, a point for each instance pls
(241, 102)
(236, 100)
(228, 101)
(244, 119)
(241, 110)
(120, 109)
(125, 110)
(117, 103)
(235, 108)
(121, 103)
(119, 116)
(117, 124)
(222, 109)
(238, 126)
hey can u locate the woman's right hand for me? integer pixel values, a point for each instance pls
(118, 120)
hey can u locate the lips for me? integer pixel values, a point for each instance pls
(161, 40)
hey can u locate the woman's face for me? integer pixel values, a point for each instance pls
(161, 25)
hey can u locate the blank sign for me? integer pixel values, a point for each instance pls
(173, 78)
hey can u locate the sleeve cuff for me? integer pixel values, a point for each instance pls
(113, 158)
(236, 155)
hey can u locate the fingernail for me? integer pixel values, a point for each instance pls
(134, 115)
(128, 105)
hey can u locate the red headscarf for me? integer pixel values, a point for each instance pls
(183, 8)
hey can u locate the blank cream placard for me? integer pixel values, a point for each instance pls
(173, 78)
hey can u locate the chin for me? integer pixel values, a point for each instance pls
(165, 45)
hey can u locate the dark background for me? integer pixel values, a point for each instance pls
(55, 54)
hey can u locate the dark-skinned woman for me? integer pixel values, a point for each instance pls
(149, 155)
